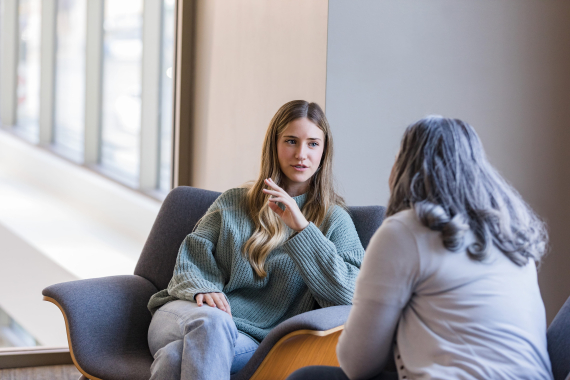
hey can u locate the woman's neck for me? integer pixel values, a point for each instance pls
(295, 189)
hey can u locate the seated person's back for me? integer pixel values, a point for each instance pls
(465, 318)
(449, 280)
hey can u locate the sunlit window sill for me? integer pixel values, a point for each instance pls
(60, 222)
(34, 357)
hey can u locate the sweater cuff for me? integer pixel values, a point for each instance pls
(206, 291)
(195, 292)
(304, 244)
(189, 294)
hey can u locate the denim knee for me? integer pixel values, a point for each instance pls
(167, 362)
(213, 320)
(172, 353)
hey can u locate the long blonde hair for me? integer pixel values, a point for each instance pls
(269, 229)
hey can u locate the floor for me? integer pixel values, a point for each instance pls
(57, 372)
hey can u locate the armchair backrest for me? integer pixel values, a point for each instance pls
(558, 337)
(184, 206)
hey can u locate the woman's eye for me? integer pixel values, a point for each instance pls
(290, 142)
(314, 144)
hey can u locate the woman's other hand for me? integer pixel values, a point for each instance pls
(214, 300)
(292, 215)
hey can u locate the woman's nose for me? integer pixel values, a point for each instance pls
(301, 153)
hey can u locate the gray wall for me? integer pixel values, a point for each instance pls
(502, 66)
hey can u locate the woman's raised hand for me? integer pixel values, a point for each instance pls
(215, 300)
(292, 215)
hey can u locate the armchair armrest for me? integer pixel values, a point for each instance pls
(306, 339)
(107, 323)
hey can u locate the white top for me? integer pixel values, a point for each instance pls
(456, 318)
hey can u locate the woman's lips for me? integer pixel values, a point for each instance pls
(299, 168)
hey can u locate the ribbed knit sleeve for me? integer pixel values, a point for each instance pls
(196, 270)
(329, 262)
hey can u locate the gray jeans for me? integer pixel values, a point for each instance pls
(195, 342)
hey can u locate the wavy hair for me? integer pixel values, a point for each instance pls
(269, 229)
(443, 174)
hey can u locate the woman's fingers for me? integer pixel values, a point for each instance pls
(287, 201)
(269, 182)
(277, 199)
(219, 302)
(209, 300)
(227, 305)
(292, 215)
(223, 305)
(278, 194)
(272, 192)
(276, 209)
(272, 184)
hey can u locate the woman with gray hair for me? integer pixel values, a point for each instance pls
(448, 285)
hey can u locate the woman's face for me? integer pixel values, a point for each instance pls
(299, 150)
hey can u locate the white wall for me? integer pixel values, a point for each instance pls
(502, 66)
(252, 56)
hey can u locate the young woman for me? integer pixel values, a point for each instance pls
(259, 256)
(448, 285)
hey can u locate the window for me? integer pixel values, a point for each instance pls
(69, 113)
(130, 54)
(89, 81)
(122, 56)
(166, 95)
(28, 95)
(12, 334)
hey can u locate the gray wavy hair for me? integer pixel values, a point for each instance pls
(442, 173)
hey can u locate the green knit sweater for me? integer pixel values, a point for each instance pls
(316, 264)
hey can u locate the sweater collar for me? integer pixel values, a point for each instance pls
(300, 199)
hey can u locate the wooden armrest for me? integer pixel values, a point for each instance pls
(299, 349)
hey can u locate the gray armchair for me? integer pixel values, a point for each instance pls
(558, 336)
(107, 319)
